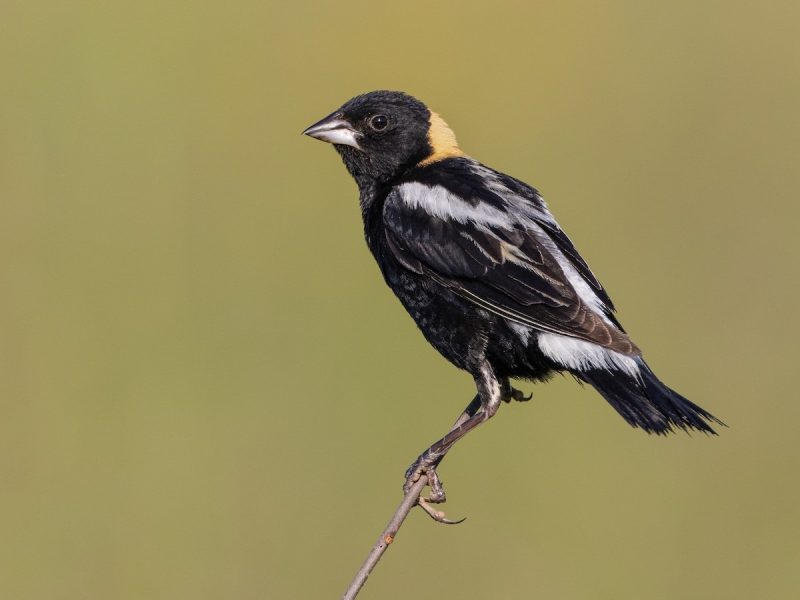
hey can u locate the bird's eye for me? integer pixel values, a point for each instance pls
(379, 122)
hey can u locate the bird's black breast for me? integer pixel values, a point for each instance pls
(449, 323)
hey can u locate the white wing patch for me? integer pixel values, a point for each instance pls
(439, 202)
(583, 356)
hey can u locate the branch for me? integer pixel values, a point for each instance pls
(412, 497)
(387, 537)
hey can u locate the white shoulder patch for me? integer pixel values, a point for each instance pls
(439, 202)
(582, 355)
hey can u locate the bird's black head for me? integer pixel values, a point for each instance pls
(380, 135)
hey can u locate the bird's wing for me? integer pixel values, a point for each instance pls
(496, 245)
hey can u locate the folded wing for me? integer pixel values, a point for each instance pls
(494, 243)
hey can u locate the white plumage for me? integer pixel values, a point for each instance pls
(582, 356)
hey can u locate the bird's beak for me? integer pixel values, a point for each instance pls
(336, 130)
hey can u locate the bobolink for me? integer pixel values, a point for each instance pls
(486, 272)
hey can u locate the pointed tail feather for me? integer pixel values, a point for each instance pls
(647, 403)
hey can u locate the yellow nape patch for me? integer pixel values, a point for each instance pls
(442, 140)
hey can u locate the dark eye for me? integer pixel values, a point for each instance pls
(379, 122)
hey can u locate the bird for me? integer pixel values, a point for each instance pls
(487, 274)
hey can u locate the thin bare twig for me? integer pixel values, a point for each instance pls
(386, 538)
(411, 499)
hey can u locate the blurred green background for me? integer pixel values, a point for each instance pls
(206, 391)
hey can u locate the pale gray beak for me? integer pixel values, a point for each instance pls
(335, 130)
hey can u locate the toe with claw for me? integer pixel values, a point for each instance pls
(519, 396)
(437, 515)
(436, 496)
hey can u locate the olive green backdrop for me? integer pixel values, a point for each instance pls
(207, 392)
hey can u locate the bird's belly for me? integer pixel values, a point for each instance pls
(458, 329)
(450, 324)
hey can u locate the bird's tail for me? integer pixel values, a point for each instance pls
(646, 402)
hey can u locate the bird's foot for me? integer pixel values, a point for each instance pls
(426, 466)
(515, 394)
(423, 466)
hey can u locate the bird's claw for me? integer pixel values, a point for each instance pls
(436, 496)
(425, 467)
(437, 515)
(517, 395)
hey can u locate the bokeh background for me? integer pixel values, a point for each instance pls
(207, 392)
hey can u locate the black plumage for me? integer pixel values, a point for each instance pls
(482, 267)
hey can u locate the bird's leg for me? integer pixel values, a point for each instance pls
(481, 409)
(468, 412)
(437, 490)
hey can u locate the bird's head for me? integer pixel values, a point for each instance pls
(382, 134)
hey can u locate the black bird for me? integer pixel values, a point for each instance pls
(486, 272)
